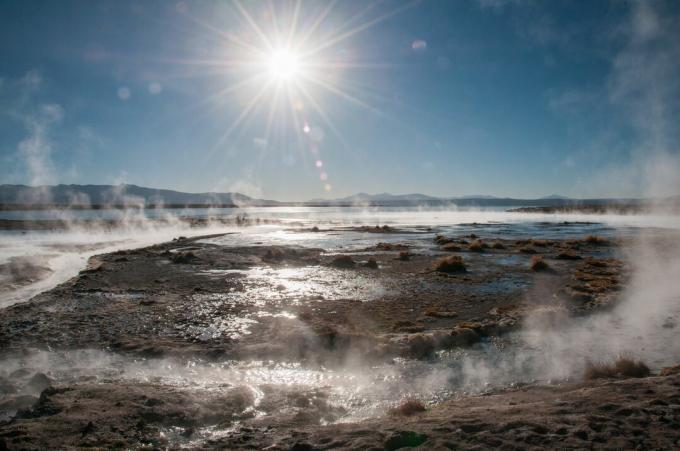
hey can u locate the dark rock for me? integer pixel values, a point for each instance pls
(404, 439)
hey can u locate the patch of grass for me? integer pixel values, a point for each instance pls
(538, 264)
(452, 265)
(273, 255)
(451, 247)
(441, 239)
(404, 256)
(408, 408)
(436, 313)
(568, 256)
(372, 263)
(539, 243)
(623, 366)
(527, 250)
(498, 245)
(343, 262)
(596, 240)
(477, 246)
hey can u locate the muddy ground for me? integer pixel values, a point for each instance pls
(192, 298)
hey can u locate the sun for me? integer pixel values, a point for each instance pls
(284, 65)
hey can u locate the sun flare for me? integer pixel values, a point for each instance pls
(283, 65)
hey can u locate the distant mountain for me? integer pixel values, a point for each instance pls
(118, 195)
(474, 196)
(103, 196)
(555, 196)
(480, 200)
(384, 197)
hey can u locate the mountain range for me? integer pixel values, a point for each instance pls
(119, 195)
(123, 195)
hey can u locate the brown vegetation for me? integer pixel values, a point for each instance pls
(567, 256)
(538, 264)
(404, 256)
(436, 313)
(441, 239)
(452, 264)
(343, 262)
(623, 366)
(408, 408)
(451, 247)
(371, 263)
(596, 240)
(498, 245)
(477, 246)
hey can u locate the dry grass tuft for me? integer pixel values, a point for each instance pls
(436, 313)
(596, 240)
(477, 246)
(273, 254)
(568, 256)
(372, 263)
(527, 250)
(538, 264)
(498, 245)
(623, 366)
(343, 262)
(451, 247)
(441, 239)
(453, 264)
(408, 408)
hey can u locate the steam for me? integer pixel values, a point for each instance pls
(644, 85)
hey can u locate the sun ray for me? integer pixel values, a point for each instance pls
(253, 25)
(322, 114)
(228, 36)
(359, 28)
(342, 94)
(310, 31)
(241, 117)
(293, 25)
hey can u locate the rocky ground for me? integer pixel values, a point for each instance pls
(192, 298)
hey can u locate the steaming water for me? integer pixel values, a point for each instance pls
(639, 327)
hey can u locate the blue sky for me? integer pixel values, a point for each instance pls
(514, 98)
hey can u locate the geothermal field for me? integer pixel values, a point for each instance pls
(304, 328)
(350, 225)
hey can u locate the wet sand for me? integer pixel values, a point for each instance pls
(198, 300)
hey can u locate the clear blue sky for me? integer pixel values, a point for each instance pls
(513, 98)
